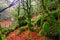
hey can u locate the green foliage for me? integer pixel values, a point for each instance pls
(38, 21)
(51, 5)
(5, 31)
(41, 33)
(15, 13)
(46, 27)
(52, 20)
(23, 22)
(56, 28)
(3, 37)
(20, 30)
(14, 26)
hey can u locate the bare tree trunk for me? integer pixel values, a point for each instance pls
(29, 13)
(18, 12)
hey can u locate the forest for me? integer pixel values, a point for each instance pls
(29, 19)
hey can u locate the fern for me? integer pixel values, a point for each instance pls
(46, 27)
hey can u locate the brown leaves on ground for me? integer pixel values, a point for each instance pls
(25, 35)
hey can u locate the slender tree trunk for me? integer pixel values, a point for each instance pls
(18, 13)
(29, 13)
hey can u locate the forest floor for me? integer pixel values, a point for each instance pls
(25, 35)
